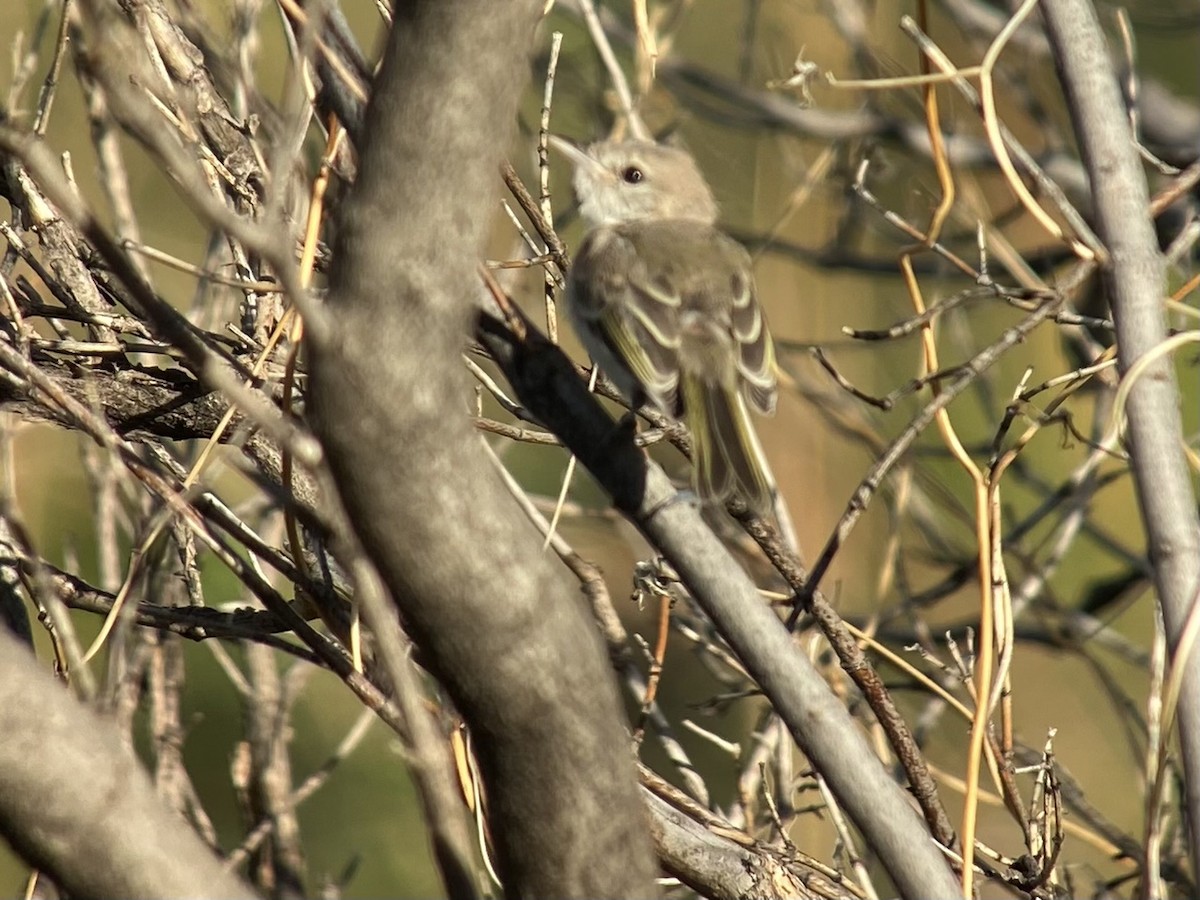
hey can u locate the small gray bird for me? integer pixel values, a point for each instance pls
(664, 303)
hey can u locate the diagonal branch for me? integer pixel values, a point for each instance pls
(77, 804)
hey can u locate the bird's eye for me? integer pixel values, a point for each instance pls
(632, 175)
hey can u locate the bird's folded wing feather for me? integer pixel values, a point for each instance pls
(636, 280)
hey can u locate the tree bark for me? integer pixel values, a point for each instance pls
(78, 806)
(500, 623)
(548, 386)
(1135, 280)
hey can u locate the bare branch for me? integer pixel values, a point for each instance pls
(1134, 278)
(78, 805)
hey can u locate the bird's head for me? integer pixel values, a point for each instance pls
(630, 181)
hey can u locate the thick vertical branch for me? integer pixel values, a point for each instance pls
(1135, 277)
(498, 621)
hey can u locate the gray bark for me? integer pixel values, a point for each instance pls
(78, 805)
(1135, 281)
(499, 623)
(879, 807)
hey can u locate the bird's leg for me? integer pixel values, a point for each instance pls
(628, 423)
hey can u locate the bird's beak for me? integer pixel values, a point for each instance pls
(573, 152)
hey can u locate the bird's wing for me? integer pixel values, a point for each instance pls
(634, 316)
(756, 350)
(709, 274)
(634, 286)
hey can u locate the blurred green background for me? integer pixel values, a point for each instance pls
(365, 817)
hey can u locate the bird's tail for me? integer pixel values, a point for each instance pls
(726, 454)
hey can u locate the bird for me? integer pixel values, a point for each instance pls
(665, 304)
